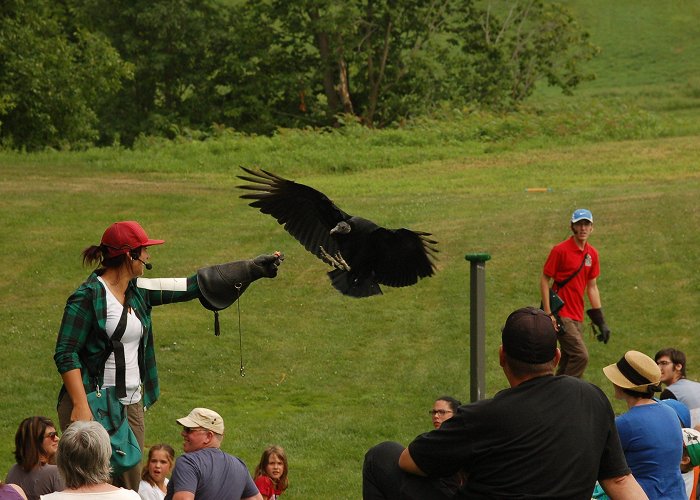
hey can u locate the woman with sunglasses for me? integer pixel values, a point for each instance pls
(36, 443)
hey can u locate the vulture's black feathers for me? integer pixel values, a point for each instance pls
(363, 254)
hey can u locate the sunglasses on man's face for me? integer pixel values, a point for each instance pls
(190, 430)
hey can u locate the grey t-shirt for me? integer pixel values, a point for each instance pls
(38, 481)
(211, 474)
(687, 392)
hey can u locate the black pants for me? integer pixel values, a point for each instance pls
(382, 479)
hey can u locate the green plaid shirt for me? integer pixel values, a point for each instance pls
(82, 338)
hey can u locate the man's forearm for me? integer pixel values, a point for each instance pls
(407, 464)
(623, 488)
(593, 294)
(544, 292)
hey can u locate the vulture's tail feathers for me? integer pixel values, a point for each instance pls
(345, 283)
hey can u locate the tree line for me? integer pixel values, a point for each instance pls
(75, 73)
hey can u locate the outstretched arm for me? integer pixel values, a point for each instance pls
(222, 284)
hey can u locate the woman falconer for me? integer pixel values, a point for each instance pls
(115, 297)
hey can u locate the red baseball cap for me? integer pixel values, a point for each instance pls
(124, 236)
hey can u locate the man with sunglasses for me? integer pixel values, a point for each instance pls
(205, 472)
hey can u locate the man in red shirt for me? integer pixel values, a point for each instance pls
(573, 267)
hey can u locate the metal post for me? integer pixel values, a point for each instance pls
(477, 324)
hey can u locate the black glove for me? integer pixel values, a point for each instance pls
(265, 266)
(600, 329)
(222, 284)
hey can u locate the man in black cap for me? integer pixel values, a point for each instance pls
(545, 437)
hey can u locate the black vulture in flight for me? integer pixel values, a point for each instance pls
(363, 254)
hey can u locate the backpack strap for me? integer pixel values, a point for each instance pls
(118, 347)
(113, 345)
(560, 284)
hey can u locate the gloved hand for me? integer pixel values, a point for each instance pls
(265, 266)
(600, 328)
(222, 284)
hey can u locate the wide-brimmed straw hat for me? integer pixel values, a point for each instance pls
(635, 371)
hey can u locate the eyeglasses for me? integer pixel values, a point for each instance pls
(190, 430)
(51, 435)
(442, 413)
(664, 363)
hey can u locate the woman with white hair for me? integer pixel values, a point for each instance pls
(83, 462)
(650, 432)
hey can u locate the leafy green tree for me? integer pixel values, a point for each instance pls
(538, 41)
(261, 82)
(52, 79)
(82, 71)
(377, 59)
(384, 60)
(170, 45)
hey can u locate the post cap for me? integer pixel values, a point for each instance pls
(477, 257)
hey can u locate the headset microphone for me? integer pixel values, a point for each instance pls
(147, 265)
(135, 256)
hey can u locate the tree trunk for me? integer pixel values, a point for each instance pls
(344, 87)
(377, 80)
(324, 50)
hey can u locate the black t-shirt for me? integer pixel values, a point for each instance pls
(550, 437)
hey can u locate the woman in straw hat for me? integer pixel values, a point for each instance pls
(650, 432)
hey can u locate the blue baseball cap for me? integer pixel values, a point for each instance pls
(681, 410)
(581, 214)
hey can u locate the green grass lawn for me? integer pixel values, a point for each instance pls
(328, 376)
(642, 43)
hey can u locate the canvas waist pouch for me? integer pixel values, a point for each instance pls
(111, 414)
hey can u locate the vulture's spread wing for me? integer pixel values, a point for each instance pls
(402, 256)
(305, 213)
